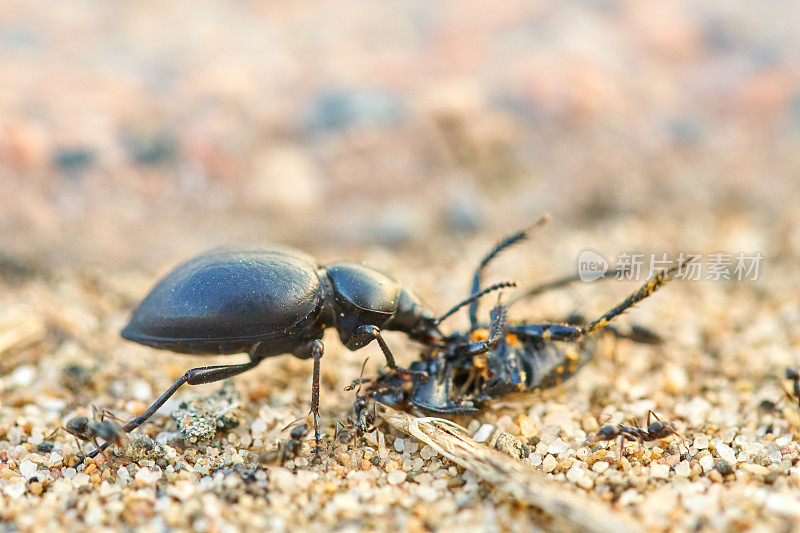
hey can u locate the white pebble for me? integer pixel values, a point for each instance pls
(535, 458)
(600, 467)
(659, 471)
(701, 442)
(575, 473)
(27, 468)
(399, 445)
(483, 433)
(628, 497)
(410, 445)
(15, 490)
(426, 452)
(23, 376)
(557, 446)
(147, 476)
(14, 435)
(707, 462)
(123, 474)
(395, 477)
(726, 452)
(549, 464)
(258, 427)
(683, 469)
(55, 460)
(775, 457)
(141, 390)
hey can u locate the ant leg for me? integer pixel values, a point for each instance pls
(375, 333)
(499, 247)
(317, 349)
(80, 451)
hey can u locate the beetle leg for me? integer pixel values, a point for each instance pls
(195, 376)
(375, 333)
(496, 333)
(317, 349)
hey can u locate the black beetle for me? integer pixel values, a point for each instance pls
(468, 369)
(270, 302)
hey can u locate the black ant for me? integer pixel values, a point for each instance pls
(84, 429)
(655, 430)
(289, 449)
(363, 421)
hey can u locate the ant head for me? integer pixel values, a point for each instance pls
(77, 425)
(299, 431)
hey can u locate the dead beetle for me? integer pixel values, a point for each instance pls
(468, 369)
(270, 302)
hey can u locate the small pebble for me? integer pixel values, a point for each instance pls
(395, 477)
(549, 464)
(27, 468)
(600, 467)
(660, 471)
(483, 433)
(701, 442)
(575, 473)
(683, 469)
(723, 467)
(707, 463)
(557, 446)
(756, 470)
(726, 452)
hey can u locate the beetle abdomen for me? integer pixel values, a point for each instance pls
(226, 301)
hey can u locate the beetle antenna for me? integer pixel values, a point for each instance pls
(651, 286)
(499, 247)
(474, 297)
(557, 284)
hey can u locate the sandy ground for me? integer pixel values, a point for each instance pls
(411, 137)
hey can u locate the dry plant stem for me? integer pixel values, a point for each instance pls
(510, 476)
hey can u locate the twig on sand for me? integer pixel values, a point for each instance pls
(570, 509)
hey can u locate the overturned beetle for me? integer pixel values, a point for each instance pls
(465, 370)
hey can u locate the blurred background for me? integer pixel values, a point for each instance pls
(411, 135)
(134, 134)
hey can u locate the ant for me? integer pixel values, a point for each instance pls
(794, 376)
(289, 449)
(364, 421)
(655, 430)
(84, 429)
